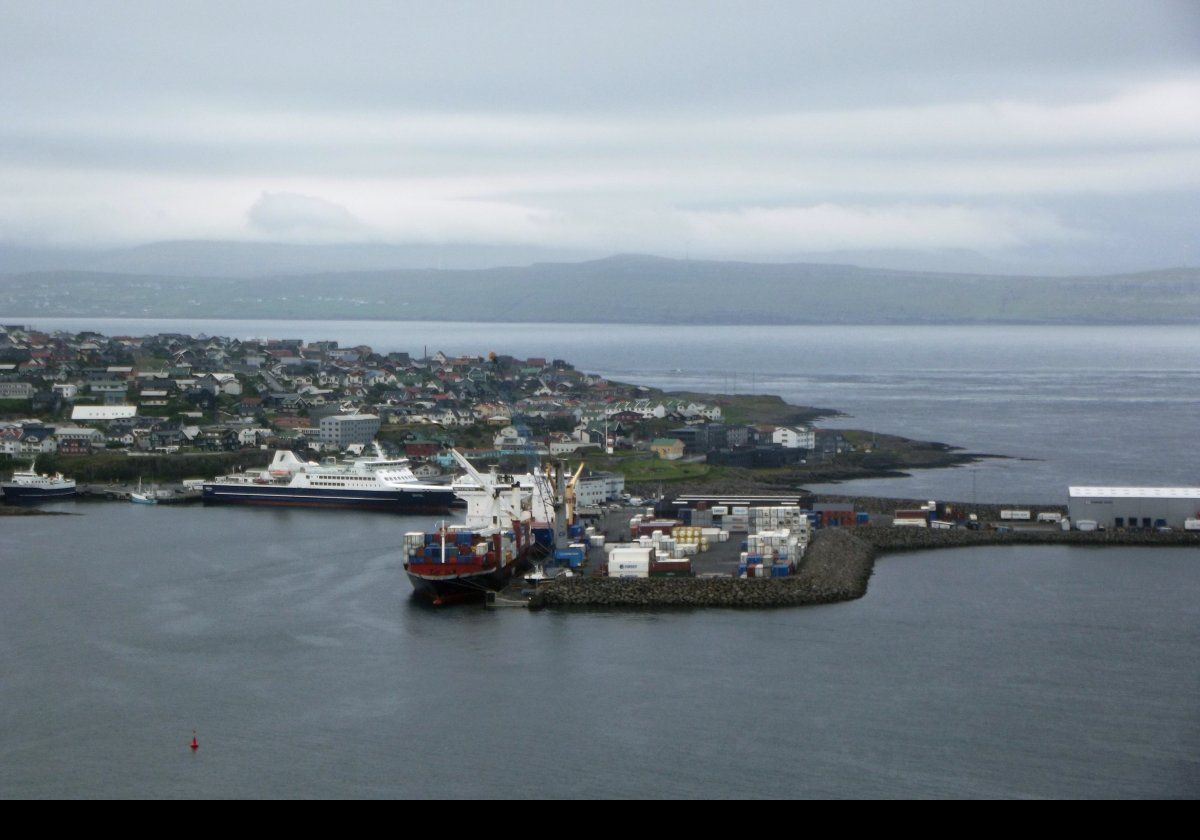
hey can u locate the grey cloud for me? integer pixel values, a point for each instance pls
(292, 214)
(1020, 126)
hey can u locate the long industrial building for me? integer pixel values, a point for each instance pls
(1134, 507)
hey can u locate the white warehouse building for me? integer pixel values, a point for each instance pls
(598, 488)
(1134, 507)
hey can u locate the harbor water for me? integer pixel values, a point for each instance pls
(287, 638)
(288, 641)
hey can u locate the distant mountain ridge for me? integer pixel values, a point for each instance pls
(223, 258)
(622, 289)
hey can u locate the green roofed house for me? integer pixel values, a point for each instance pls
(668, 449)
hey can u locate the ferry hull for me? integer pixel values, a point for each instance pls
(30, 495)
(423, 502)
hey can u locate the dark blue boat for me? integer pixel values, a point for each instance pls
(28, 486)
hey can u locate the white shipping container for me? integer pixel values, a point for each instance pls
(629, 563)
(940, 525)
(910, 523)
(1015, 514)
(1049, 516)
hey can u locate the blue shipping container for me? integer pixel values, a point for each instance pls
(573, 557)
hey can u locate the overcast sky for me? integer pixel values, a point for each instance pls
(1051, 136)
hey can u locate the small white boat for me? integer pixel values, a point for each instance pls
(143, 498)
(539, 575)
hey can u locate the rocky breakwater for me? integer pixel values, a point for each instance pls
(925, 539)
(836, 568)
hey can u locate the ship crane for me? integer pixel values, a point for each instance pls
(564, 501)
(509, 507)
(569, 494)
(544, 493)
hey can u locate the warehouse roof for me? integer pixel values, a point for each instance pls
(103, 412)
(1136, 492)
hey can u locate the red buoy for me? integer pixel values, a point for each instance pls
(195, 744)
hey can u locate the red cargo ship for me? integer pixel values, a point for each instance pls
(458, 562)
(455, 563)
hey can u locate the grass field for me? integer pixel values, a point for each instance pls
(642, 466)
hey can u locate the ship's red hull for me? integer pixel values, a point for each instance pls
(444, 570)
(440, 589)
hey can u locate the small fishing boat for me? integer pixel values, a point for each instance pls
(141, 497)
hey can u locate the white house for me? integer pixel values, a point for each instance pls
(567, 447)
(250, 437)
(221, 383)
(794, 438)
(511, 436)
(38, 445)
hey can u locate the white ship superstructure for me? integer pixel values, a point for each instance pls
(32, 486)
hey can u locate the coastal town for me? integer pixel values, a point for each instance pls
(67, 396)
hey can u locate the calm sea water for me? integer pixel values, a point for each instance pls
(288, 641)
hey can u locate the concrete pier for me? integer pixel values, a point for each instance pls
(179, 494)
(837, 567)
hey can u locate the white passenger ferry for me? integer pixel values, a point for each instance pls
(368, 483)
